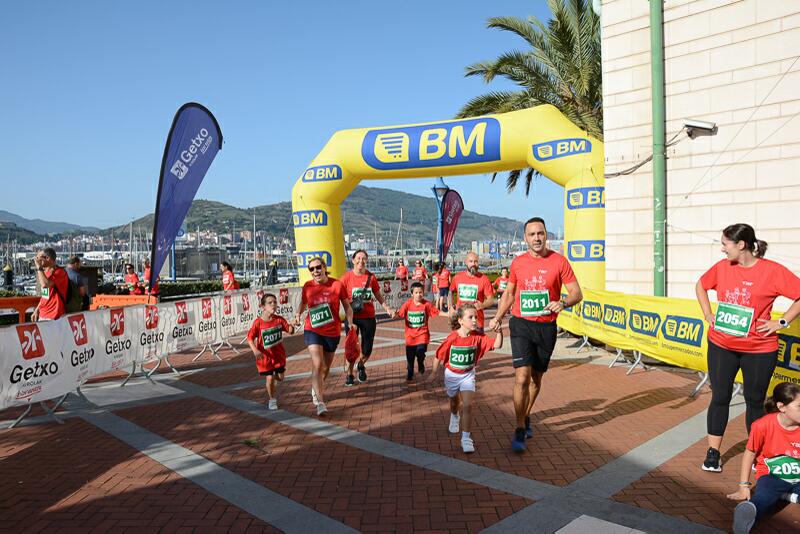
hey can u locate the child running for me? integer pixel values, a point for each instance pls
(502, 281)
(416, 312)
(461, 352)
(774, 443)
(266, 341)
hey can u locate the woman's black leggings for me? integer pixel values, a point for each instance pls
(366, 328)
(723, 364)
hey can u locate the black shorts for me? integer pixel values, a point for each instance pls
(329, 344)
(532, 343)
(278, 371)
(444, 291)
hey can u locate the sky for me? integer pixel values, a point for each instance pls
(90, 88)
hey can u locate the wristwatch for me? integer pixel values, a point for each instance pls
(783, 322)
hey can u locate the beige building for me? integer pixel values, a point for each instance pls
(732, 62)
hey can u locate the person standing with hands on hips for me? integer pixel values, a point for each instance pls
(533, 292)
(742, 335)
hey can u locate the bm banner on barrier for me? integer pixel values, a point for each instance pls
(668, 329)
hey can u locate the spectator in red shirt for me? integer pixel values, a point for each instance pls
(229, 282)
(54, 283)
(401, 273)
(150, 290)
(132, 281)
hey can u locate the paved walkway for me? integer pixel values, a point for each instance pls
(200, 452)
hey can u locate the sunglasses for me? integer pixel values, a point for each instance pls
(315, 268)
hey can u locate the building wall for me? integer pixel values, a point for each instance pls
(733, 62)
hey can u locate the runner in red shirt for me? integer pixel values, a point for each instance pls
(472, 286)
(461, 352)
(360, 282)
(501, 281)
(420, 273)
(533, 292)
(416, 311)
(266, 341)
(321, 296)
(229, 282)
(401, 273)
(774, 444)
(132, 281)
(54, 283)
(443, 281)
(741, 334)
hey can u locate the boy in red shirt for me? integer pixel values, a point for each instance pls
(461, 352)
(774, 444)
(54, 283)
(416, 311)
(266, 341)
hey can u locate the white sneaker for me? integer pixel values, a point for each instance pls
(467, 445)
(321, 409)
(273, 404)
(453, 428)
(314, 397)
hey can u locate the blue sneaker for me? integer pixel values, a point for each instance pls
(528, 429)
(518, 443)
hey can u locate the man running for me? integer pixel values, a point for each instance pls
(471, 286)
(534, 291)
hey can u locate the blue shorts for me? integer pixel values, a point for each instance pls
(444, 291)
(329, 344)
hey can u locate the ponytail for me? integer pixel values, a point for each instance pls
(785, 393)
(760, 248)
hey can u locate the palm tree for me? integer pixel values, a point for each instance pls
(562, 68)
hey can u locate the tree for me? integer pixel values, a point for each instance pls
(562, 68)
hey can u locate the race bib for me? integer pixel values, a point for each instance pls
(46, 292)
(320, 315)
(272, 336)
(462, 358)
(416, 319)
(733, 319)
(364, 292)
(502, 285)
(784, 467)
(467, 292)
(532, 303)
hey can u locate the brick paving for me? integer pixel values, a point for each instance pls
(77, 477)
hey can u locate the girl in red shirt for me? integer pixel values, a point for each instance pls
(461, 352)
(266, 341)
(774, 444)
(741, 334)
(229, 282)
(416, 311)
(502, 281)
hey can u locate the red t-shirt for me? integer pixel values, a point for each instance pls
(323, 301)
(462, 354)
(777, 449)
(468, 288)
(444, 278)
(754, 287)
(500, 283)
(416, 316)
(132, 281)
(434, 283)
(354, 283)
(268, 337)
(228, 281)
(536, 274)
(53, 301)
(420, 274)
(154, 288)
(401, 273)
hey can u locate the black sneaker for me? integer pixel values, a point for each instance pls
(410, 375)
(518, 443)
(349, 381)
(712, 461)
(421, 366)
(528, 429)
(744, 516)
(362, 373)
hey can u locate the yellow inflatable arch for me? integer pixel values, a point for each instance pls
(539, 137)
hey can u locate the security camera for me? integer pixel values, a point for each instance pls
(695, 128)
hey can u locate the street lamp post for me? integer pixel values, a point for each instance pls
(439, 190)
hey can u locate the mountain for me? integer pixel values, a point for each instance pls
(9, 231)
(367, 210)
(45, 227)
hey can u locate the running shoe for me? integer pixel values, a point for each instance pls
(712, 461)
(321, 409)
(362, 373)
(314, 397)
(791, 497)
(349, 381)
(528, 429)
(518, 443)
(744, 516)
(453, 428)
(467, 445)
(273, 404)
